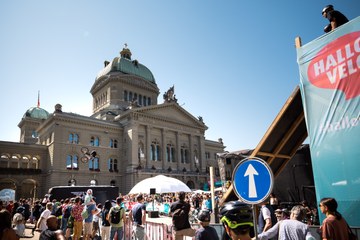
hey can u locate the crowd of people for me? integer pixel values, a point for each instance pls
(82, 218)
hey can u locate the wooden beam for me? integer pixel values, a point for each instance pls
(288, 135)
(273, 155)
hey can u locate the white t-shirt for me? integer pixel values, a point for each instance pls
(266, 213)
(45, 214)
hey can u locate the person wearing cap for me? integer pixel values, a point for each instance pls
(335, 18)
(292, 228)
(278, 214)
(237, 219)
(205, 232)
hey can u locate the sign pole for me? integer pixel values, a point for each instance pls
(253, 182)
(255, 221)
(212, 193)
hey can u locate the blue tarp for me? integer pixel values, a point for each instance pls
(330, 87)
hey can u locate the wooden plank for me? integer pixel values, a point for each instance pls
(273, 155)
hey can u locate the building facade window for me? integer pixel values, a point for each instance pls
(112, 165)
(113, 143)
(94, 141)
(94, 164)
(4, 161)
(184, 154)
(170, 153)
(34, 163)
(14, 162)
(144, 100)
(24, 162)
(72, 162)
(126, 96)
(155, 151)
(140, 100)
(74, 138)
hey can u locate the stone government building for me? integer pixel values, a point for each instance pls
(130, 135)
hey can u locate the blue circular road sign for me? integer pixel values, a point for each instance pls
(252, 180)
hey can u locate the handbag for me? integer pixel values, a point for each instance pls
(84, 213)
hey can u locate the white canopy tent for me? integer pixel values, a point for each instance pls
(161, 183)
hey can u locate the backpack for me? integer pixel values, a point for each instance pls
(67, 211)
(58, 211)
(115, 215)
(179, 218)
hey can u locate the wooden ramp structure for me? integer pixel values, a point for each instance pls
(282, 139)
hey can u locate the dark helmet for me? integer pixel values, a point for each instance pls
(327, 8)
(236, 213)
(204, 216)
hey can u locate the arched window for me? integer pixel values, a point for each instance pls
(130, 96)
(72, 182)
(24, 162)
(4, 161)
(149, 101)
(72, 162)
(155, 151)
(15, 161)
(34, 163)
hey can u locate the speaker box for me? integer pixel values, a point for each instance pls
(153, 214)
(152, 190)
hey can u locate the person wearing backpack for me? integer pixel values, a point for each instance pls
(117, 219)
(138, 217)
(179, 211)
(105, 224)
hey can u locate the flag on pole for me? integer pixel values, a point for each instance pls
(38, 103)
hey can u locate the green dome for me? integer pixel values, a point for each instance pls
(36, 112)
(124, 64)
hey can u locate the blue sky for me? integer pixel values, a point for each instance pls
(232, 62)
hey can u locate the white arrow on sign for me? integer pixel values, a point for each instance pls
(250, 171)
